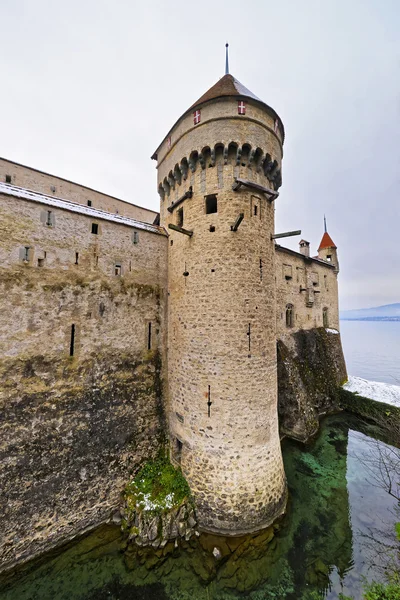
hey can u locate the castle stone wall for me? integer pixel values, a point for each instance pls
(222, 331)
(309, 287)
(74, 428)
(44, 183)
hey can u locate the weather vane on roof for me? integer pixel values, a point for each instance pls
(226, 59)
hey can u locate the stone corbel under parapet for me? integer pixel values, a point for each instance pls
(253, 158)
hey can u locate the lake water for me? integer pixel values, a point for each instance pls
(372, 349)
(337, 529)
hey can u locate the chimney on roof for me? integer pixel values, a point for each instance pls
(304, 248)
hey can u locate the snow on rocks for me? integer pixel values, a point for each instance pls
(329, 330)
(375, 390)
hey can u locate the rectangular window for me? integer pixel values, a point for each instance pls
(95, 228)
(117, 270)
(211, 204)
(25, 254)
(135, 237)
(49, 220)
(179, 217)
(8, 178)
(89, 203)
(76, 258)
(255, 210)
(149, 336)
(40, 262)
(287, 272)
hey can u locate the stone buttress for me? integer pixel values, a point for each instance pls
(219, 169)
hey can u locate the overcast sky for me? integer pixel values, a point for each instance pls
(89, 88)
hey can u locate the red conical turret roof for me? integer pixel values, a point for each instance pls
(326, 242)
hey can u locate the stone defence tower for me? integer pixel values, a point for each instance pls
(219, 169)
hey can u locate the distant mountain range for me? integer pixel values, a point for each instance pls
(388, 312)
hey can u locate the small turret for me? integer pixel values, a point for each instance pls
(327, 249)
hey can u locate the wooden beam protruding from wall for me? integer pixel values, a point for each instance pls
(180, 229)
(272, 195)
(237, 222)
(187, 194)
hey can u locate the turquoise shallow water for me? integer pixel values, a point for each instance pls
(331, 536)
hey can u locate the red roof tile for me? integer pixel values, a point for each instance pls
(326, 242)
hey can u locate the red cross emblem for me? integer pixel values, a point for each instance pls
(276, 126)
(196, 117)
(241, 108)
(169, 142)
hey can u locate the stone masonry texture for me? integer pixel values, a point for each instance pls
(38, 181)
(116, 342)
(222, 327)
(74, 428)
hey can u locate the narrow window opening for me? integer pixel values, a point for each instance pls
(8, 178)
(289, 315)
(149, 337)
(53, 188)
(212, 270)
(40, 262)
(97, 260)
(211, 204)
(249, 336)
(135, 237)
(95, 228)
(130, 266)
(325, 318)
(255, 210)
(26, 254)
(171, 243)
(261, 269)
(76, 258)
(49, 220)
(179, 217)
(89, 203)
(209, 403)
(72, 343)
(212, 228)
(329, 257)
(117, 270)
(178, 450)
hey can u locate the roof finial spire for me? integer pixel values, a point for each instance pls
(325, 223)
(226, 59)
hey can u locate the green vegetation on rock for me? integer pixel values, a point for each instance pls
(157, 488)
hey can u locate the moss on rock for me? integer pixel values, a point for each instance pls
(157, 488)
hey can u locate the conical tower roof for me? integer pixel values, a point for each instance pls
(326, 242)
(226, 86)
